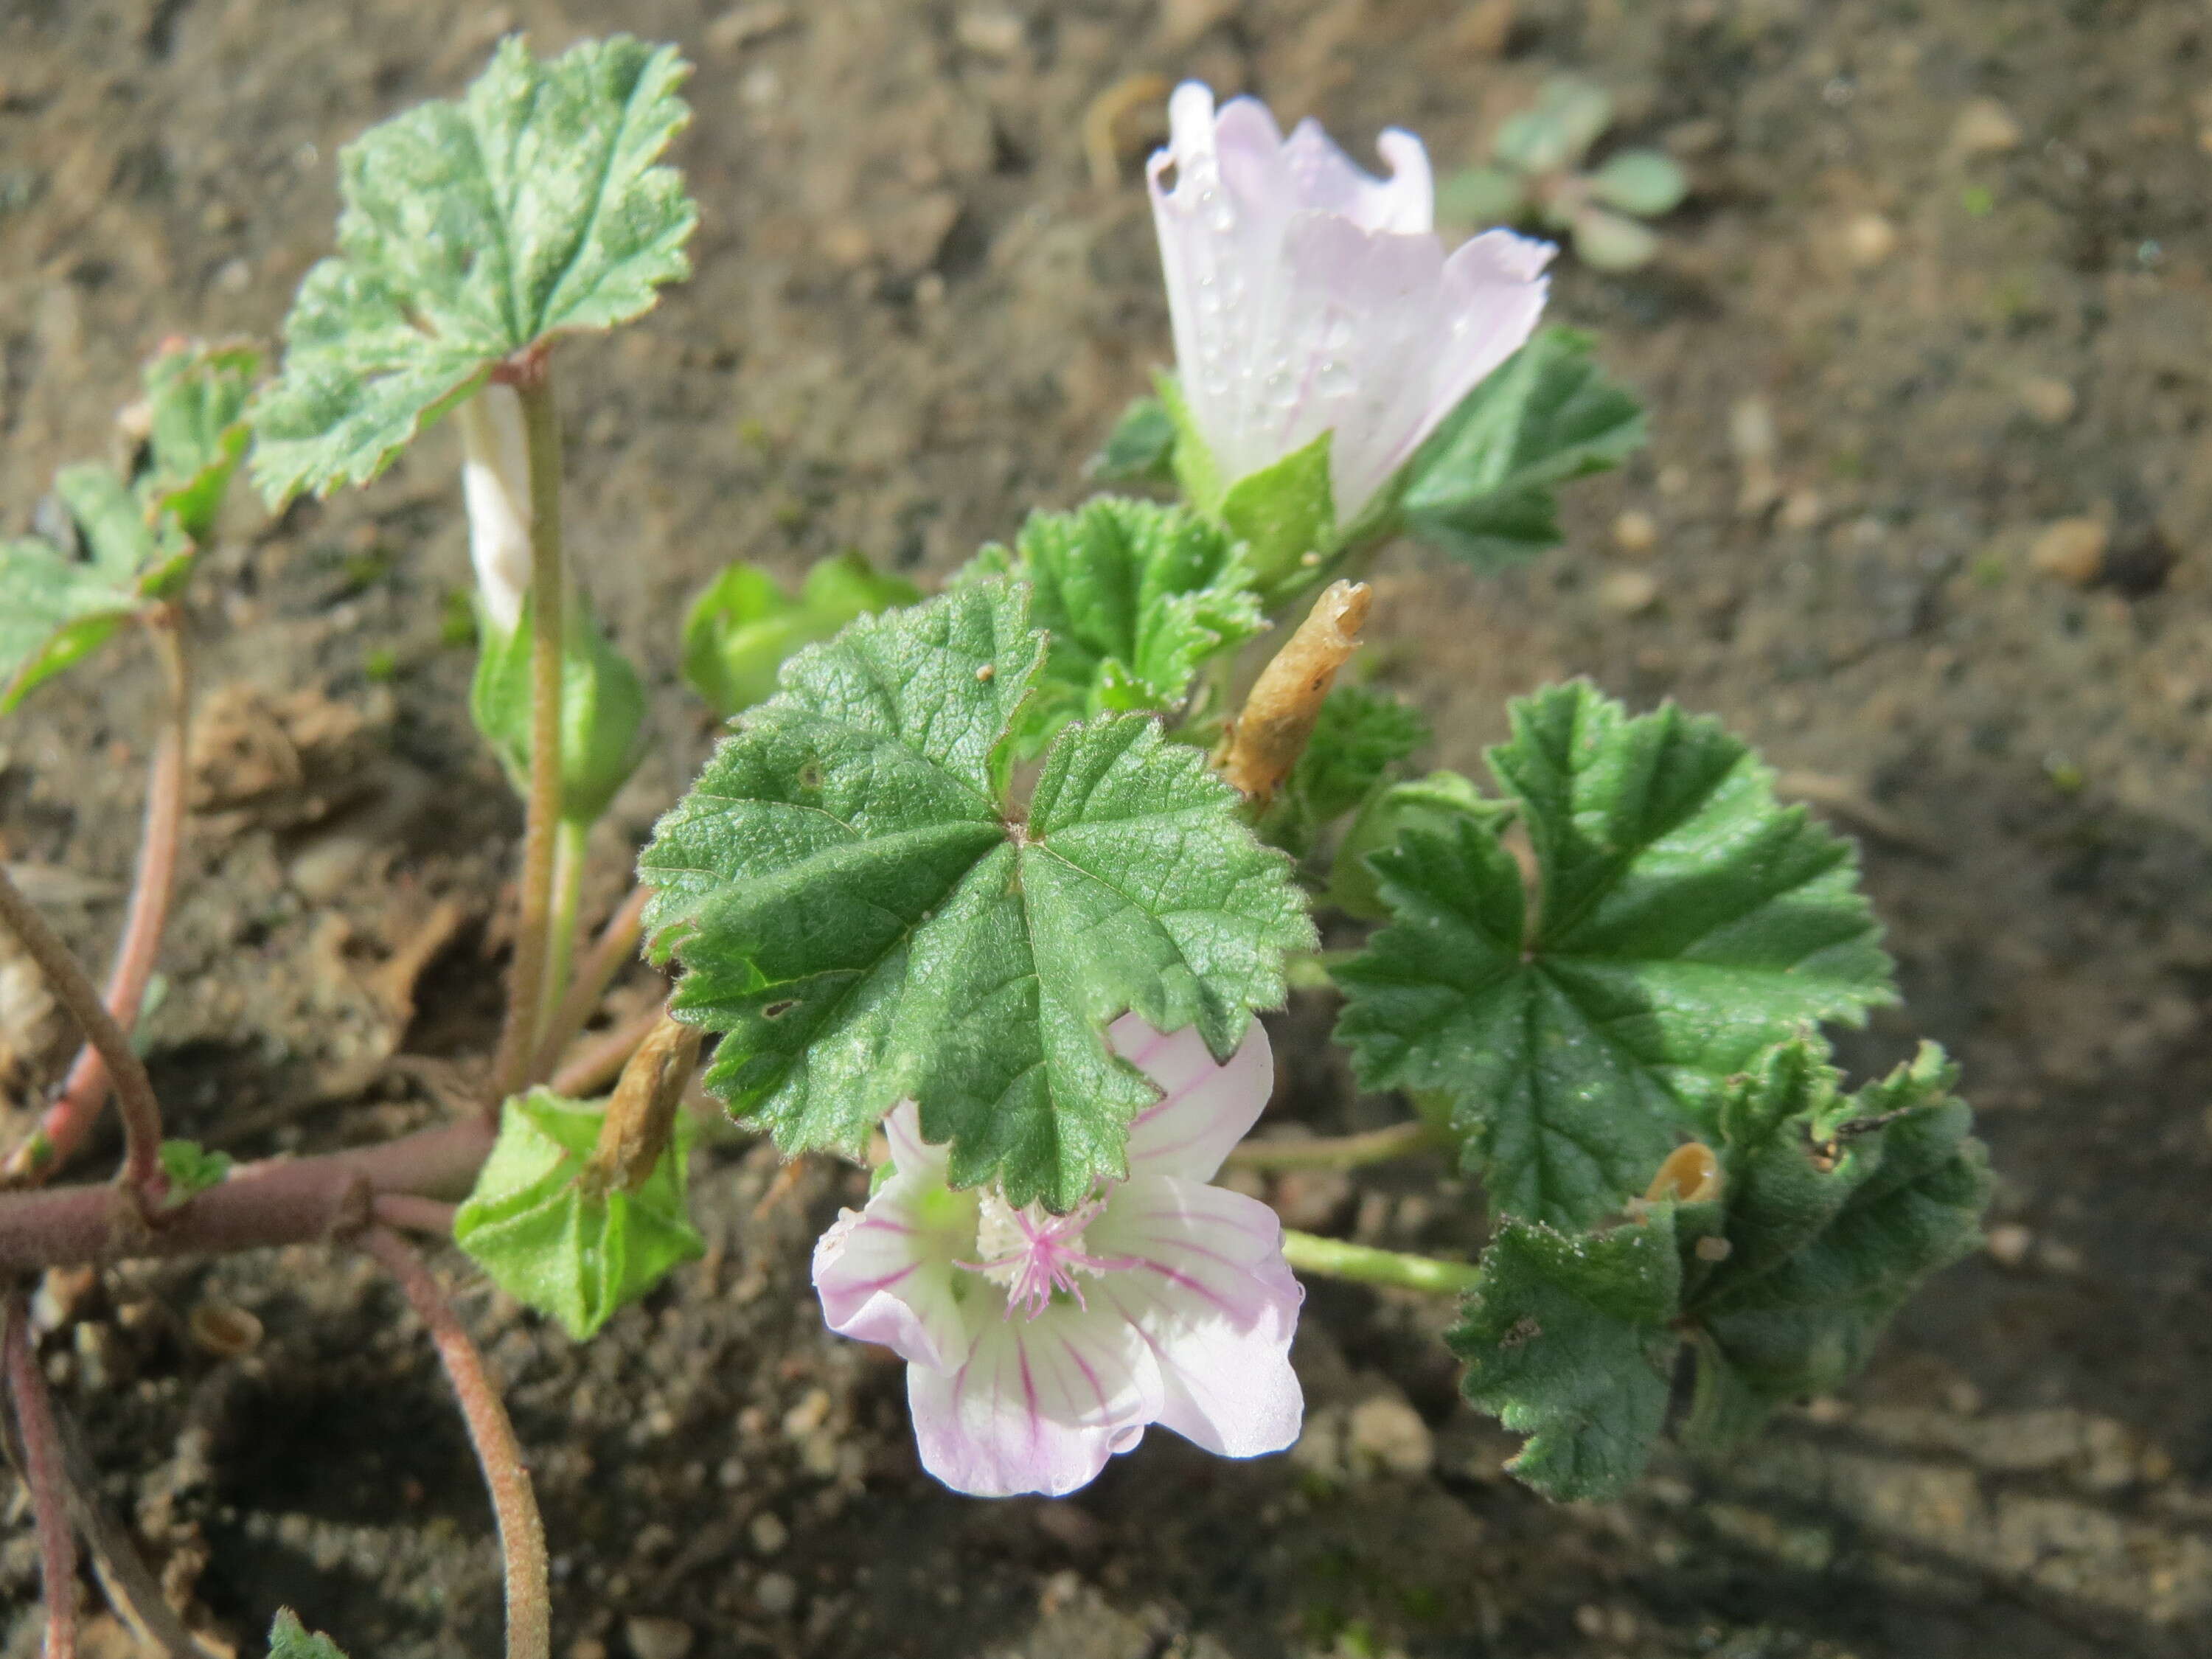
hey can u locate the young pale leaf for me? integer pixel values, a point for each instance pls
(1136, 598)
(195, 397)
(1481, 486)
(1140, 449)
(548, 1241)
(191, 1168)
(1569, 115)
(1359, 738)
(1684, 920)
(531, 207)
(59, 608)
(1568, 1340)
(1839, 1208)
(860, 909)
(289, 1639)
(741, 631)
(1605, 240)
(602, 709)
(1644, 182)
(1482, 196)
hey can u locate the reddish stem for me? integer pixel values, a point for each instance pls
(521, 1533)
(49, 1486)
(409, 1213)
(63, 1128)
(616, 945)
(600, 1060)
(279, 1201)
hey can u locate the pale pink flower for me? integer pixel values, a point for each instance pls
(1039, 1346)
(1309, 297)
(496, 489)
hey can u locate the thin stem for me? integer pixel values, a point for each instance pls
(1339, 1151)
(541, 425)
(514, 1505)
(409, 1213)
(134, 1092)
(65, 1125)
(615, 946)
(1333, 1258)
(49, 1486)
(561, 939)
(600, 1060)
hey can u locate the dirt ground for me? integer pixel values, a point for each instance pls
(1943, 285)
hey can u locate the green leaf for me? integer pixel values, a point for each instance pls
(554, 1245)
(1684, 920)
(289, 1639)
(1435, 804)
(1481, 486)
(1838, 1207)
(196, 397)
(1136, 598)
(860, 909)
(1482, 196)
(1610, 242)
(191, 1168)
(1140, 449)
(602, 709)
(742, 629)
(473, 230)
(1569, 115)
(1357, 740)
(1285, 514)
(1644, 182)
(1569, 1339)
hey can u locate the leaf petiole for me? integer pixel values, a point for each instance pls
(1335, 1258)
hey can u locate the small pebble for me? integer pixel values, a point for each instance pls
(2049, 401)
(1869, 240)
(769, 1532)
(651, 1637)
(809, 1414)
(1635, 532)
(223, 1329)
(2008, 1245)
(990, 34)
(2072, 549)
(746, 24)
(1985, 127)
(777, 1592)
(1628, 593)
(1801, 509)
(1388, 1433)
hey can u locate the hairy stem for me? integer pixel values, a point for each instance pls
(278, 1201)
(514, 1505)
(1333, 1258)
(1339, 1151)
(43, 1473)
(561, 937)
(409, 1213)
(134, 1092)
(540, 424)
(65, 1125)
(616, 945)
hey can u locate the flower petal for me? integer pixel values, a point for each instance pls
(1205, 1108)
(1039, 1405)
(1326, 180)
(496, 489)
(1213, 1298)
(885, 1274)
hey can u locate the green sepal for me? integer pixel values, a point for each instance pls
(190, 1168)
(1685, 920)
(867, 917)
(474, 230)
(740, 631)
(1190, 458)
(289, 1639)
(546, 1239)
(1481, 487)
(602, 708)
(1433, 804)
(1140, 449)
(195, 398)
(1135, 597)
(1285, 515)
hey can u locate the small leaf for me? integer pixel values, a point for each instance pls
(1141, 447)
(602, 709)
(867, 916)
(1606, 241)
(1569, 1339)
(289, 1639)
(1482, 196)
(553, 1244)
(1360, 737)
(474, 230)
(1684, 920)
(196, 398)
(1136, 598)
(744, 627)
(1435, 804)
(1569, 115)
(1644, 182)
(1481, 486)
(191, 1168)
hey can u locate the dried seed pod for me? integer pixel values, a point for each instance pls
(642, 1113)
(1279, 715)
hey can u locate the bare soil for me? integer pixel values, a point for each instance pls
(1954, 253)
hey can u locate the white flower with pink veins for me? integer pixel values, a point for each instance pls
(1309, 297)
(1039, 1346)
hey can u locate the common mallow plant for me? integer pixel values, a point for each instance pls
(989, 890)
